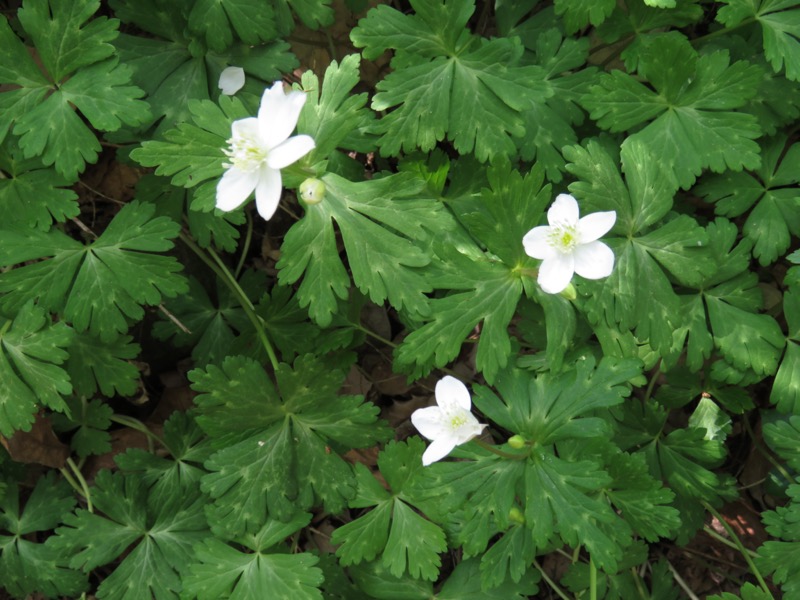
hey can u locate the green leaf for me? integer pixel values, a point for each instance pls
(95, 364)
(84, 74)
(32, 350)
(748, 592)
(380, 221)
(780, 556)
(780, 30)
(280, 462)
(225, 571)
(184, 441)
(96, 286)
(332, 116)
(26, 566)
(693, 124)
(153, 540)
(217, 21)
(772, 193)
(33, 196)
(192, 153)
(405, 541)
(578, 14)
(464, 583)
(89, 421)
(447, 82)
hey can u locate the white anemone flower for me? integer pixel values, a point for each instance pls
(570, 245)
(231, 80)
(260, 148)
(448, 424)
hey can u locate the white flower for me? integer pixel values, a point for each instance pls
(450, 423)
(259, 148)
(231, 80)
(569, 245)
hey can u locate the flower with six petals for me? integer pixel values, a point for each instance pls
(259, 148)
(570, 245)
(448, 424)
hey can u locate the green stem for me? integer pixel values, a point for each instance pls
(82, 482)
(219, 268)
(652, 383)
(248, 237)
(140, 427)
(553, 585)
(744, 551)
(721, 32)
(71, 481)
(592, 580)
(494, 450)
(723, 540)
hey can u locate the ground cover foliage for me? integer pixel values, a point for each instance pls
(204, 404)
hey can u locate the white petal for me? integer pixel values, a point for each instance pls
(535, 243)
(278, 113)
(437, 450)
(469, 430)
(555, 273)
(234, 188)
(564, 211)
(231, 80)
(268, 192)
(430, 422)
(594, 260)
(594, 226)
(452, 394)
(246, 128)
(290, 151)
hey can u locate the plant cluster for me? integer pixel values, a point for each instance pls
(576, 220)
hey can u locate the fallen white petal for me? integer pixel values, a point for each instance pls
(290, 151)
(234, 188)
(231, 80)
(594, 260)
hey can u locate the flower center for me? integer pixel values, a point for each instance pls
(457, 421)
(246, 153)
(563, 238)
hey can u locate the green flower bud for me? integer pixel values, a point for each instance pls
(312, 191)
(515, 515)
(569, 292)
(517, 442)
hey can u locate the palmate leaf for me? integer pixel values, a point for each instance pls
(225, 571)
(280, 460)
(380, 221)
(156, 538)
(485, 290)
(693, 123)
(32, 351)
(95, 364)
(26, 566)
(32, 195)
(649, 247)
(88, 422)
(405, 541)
(780, 29)
(785, 392)
(577, 14)
(447, 82)
(98, 286)
(780, 556)
(83, 73)
(773, 194)
(217, 20)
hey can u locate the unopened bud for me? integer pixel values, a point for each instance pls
(515, 516)
(312, 191)
(569, 292)
(517, 442)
